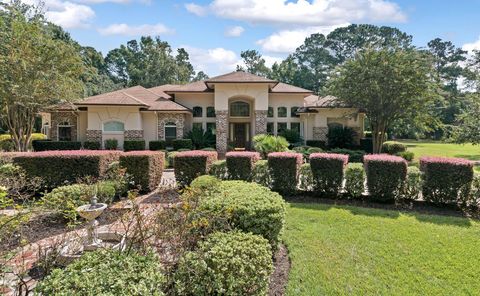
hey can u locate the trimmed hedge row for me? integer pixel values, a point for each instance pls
(385, 175)
(190, 164)
(240, 164)
(133, 145)
(328, 171)
(145, 168)
(182, 144)
(46, 145)
(157, 145)
(284, 168)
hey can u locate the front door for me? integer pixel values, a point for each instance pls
(240, 135)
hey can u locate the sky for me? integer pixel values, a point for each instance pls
(214, 32)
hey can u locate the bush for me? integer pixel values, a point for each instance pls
(7, 145)
(385, 175)
(170, 158)
(353, 155)
(107, 272)
(231, 263)
(341, 137)
(284, 168)
(144, 167)
(200, 138)
(182, 144)
(240, 164)
(205, 184)
(218, 169)
(328, 170)
(354, 180)
(316, 143)
(133, 145)
(157, 145)
(393, 147)
(446, 179)
(292, 136)
(58, 168)
(407, 155)
(92, 145)
(190, 164)
(111, 144)
(367, 144)
(474, 196)
(248, 207)
(265, 144)
(305, 180)
(413, 184)
(48, 145)
(261, 174)
(208, 149)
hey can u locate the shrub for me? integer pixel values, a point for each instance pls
(208, 149)
(7, 145)
(218, 169)
(385, 175)
(353, 155)
(47, 145)
(316, 143)
(182, 144)
(200, 138)
(413, 184)
(240, 164)
(231, 263)
(107, 272)
(133, 145)
(407, 155)
(248, 207)
(446, 179)
(92, 145)
(354, 180)
(205, 184)
(341, 137)
(144, 167)
(367, 144)
(284, 168)
(393, 147)
(111, 144)
(292, 136)
(190, 164)
(327, 171)
(261, 174)
(305, 180)
(171, 158)
(474, 196)
(265, 144)
(59, 167)
(157, 145)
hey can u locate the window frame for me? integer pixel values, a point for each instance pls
(194, 112)
(211, 115)
(230, 109)
(293, 113)
(270, 111)
(167, 125)
(283, 108)
(119, 132)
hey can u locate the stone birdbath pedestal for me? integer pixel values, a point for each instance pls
(90, 213)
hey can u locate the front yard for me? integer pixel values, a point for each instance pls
(358, 251)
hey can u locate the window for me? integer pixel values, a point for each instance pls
(211, 126)
(197, 111)
(240, 109)
(335, 122)
(210, 111)
(270, 111)
(282, 112)
(64, 131)
(197, 125)
(281, 126)
(295, 126)
(170, 131)
(113, 126)
(270, 128)
(293, 112)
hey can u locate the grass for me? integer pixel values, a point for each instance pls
(344, 250)
(436, 148)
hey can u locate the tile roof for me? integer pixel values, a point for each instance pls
(197, 86)
(239, 76)
(160, 90)
(287, 88)
(323, 102)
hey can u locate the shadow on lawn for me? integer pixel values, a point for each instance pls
(422, 212)
(469, 156)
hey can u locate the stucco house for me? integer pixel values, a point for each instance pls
(234, 106)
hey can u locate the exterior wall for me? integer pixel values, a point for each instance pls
(257, 91)
(288, 101)
(82, 126)
(130, 116)
(150, 126)
(178, 118)
(191, 100)
(60, 117)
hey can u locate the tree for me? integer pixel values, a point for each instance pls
(254, 63)
(36, 70)
(200, 76)
(468, 127)
(389, 84)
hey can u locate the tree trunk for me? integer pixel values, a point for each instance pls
(378, 136)
(20, 121)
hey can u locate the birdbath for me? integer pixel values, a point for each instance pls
(90, 212)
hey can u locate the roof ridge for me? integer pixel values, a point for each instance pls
(134, 98)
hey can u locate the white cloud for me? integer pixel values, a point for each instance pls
(269, 60)
(286, 41)
(213, 61)
(234, 31)
(472, 46)
(196, 9)
(127, 30)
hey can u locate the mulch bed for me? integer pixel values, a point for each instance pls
(279, 277)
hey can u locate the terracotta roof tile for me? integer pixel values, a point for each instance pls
(239, 76)
(323, 102)
(287, 88)
(197, 86)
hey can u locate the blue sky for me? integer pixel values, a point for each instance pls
(215, 31)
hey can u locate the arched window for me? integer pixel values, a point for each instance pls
(64, 131)
(197, 111)
(113, 126)
(210, 111)
(270, 112)
(293, 112)
(240, 109)
(170, 131)
(282, 112)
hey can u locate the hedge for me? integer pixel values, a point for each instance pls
(240, 164)
(190, 164)
(157, 145)
(182, 144)
(385, 175)
(92, 145)
(328, 170)
(145, 168)
(393, 147)
(218, 169)
(57, 168)
(47, 145)
(284, 168)
(446, 180)
(367, 144)
(316, 143)
(354, 180)
(231, 263)
(353, 155)
(133, 145)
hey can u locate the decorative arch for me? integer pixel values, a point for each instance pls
(164, 119)
(240, 108)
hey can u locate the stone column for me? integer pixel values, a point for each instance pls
(221, 122)
(94, 135)
(133, 135)
(320, 133)
(58, 118)
(260, 122)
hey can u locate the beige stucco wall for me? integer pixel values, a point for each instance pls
(149, 127)
(130, 116)
(284, 100)
(350, 118)
(256, 91)
(191, 100)
(82, 123)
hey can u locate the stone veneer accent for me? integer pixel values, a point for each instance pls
(61, 117)
(320, 133)
(133, 135)
(94, 135)
(179, 120)
(260, 122)
(221, 121)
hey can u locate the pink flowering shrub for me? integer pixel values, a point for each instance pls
(328, 170)
(190, 164)
(446, 180)
(240, 164)
(385, 175)
(144, 167)
(284, 169)
(58, 168)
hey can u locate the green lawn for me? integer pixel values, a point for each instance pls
(436, 148)
(342, 250)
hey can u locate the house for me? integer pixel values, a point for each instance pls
(234, 106)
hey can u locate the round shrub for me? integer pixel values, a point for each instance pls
(231, 263)
(106, 272)
(407, 155)
(354, 180)
(413, 184)
(205, 183)
(393, 147)
(219, 169)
